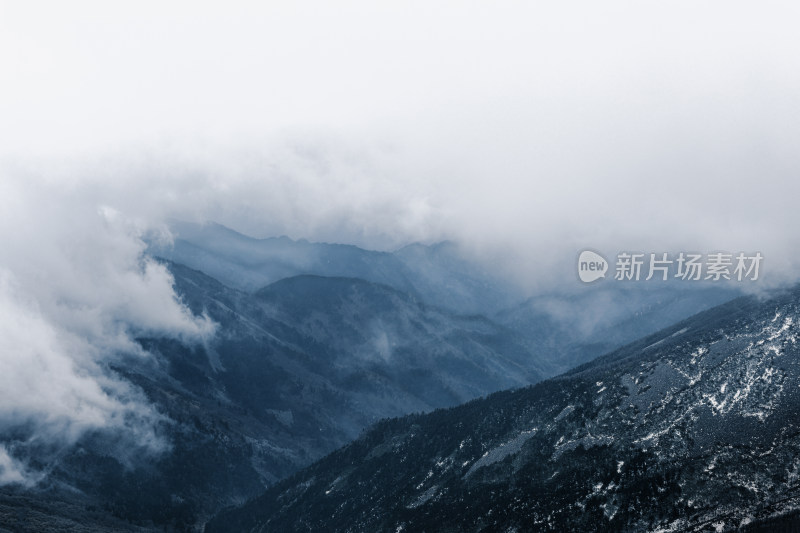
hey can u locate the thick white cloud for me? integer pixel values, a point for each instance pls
(13, 471)
(75, 288)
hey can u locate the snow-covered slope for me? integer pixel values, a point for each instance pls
(694, 428)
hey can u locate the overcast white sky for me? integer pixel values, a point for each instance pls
(525, 130)
(534, 127)
(449, 110)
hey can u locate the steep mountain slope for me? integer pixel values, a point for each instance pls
(373, 329)
(378, 349)
(694, 428)
(295, 371)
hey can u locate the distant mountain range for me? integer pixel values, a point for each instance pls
(297, 369)
(695, 428)
(440, 274)
(564, 328)
(573, 328)
(315, 344)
